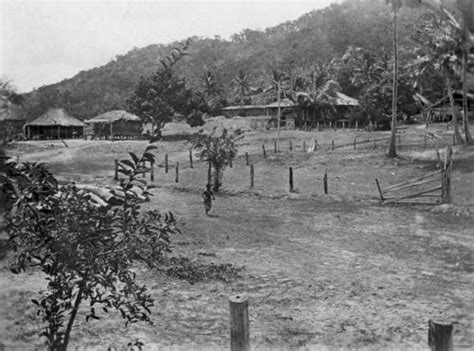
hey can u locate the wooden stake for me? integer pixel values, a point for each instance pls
(317, 125)
(239, 323)
(380, 190)
(275, 146)
(116, 170)
(315, 145)
(247, 158)
(252, 175)
(291, 179)
(166, 163)
(152, 171)
(332, 143)
(357, 125)
(440, 336)
(330, 124)
(230, 162)
(291, 146)
(177, 172)
(264, 152)
(191, 157)
(325, 181)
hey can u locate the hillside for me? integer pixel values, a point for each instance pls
(316, 37)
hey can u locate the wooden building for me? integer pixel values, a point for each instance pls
(117, 124)
(54, 124)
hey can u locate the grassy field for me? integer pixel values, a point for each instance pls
(321, 271)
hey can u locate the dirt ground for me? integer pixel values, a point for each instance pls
(321, 271)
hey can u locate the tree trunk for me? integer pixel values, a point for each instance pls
(465, 117)
(217, 176)
(278, 118)
(72, 317)
(392, 151)
(454, 112)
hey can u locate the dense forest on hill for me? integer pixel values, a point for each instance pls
(348, 44)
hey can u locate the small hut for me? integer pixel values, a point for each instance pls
(114, 124)
(54, 124)
(11, 121)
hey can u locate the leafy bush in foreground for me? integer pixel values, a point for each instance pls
(85, 249)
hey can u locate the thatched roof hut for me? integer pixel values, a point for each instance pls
(114, 124)
(56, 123)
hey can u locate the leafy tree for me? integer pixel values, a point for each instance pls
(212, 93)
(83, 244)
(440, 49)
(218, 149)
(160, 95)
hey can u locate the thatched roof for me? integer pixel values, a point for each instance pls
(114, 116)
(56, 117)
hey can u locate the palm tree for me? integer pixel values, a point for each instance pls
(242, 86)
(277, 80)
(396, 5)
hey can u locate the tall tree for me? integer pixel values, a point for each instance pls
(242, 87)
(160, 95)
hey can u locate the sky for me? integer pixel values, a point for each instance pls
(43, 42)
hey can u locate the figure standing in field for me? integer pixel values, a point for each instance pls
(208, 196)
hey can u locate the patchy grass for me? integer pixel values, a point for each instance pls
(335, 270)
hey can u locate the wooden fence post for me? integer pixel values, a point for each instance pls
(446, 176)
(116, 170)
(275, 146)
(291, 180)
(357, 125)
(325, 181)
(191, 157)
(317, 125)
(332, 144)
(264, 152)
(230, 163)
(440, 336)
(239, 323)
(315, 145)
(330, 124)
(380, 190)
(152, 171)
(252, 175)
(247, 158)
(291, 146)
(166, 163)
(177, 172)
(304, 146)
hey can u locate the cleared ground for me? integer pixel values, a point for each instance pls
(321, 271)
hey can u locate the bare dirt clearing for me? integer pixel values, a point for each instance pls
(336, 270)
